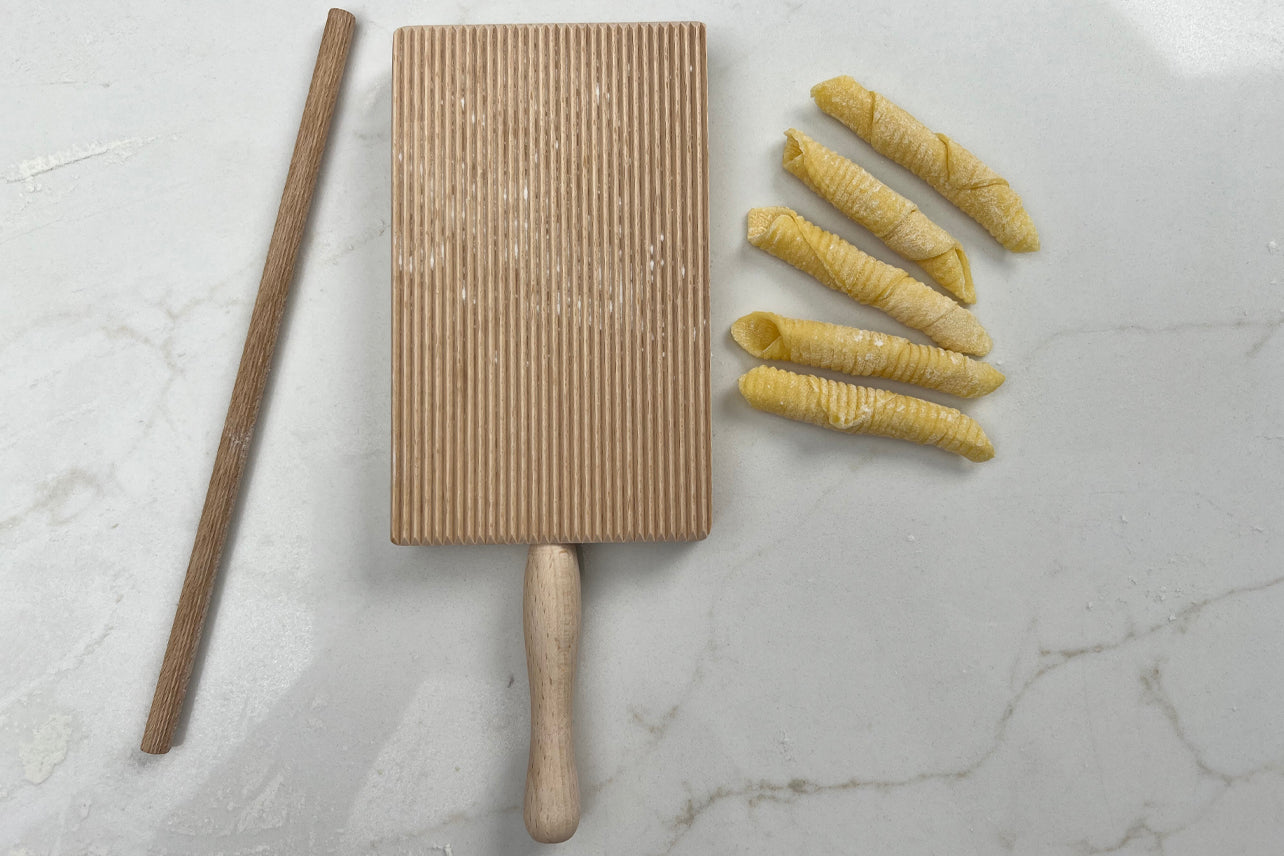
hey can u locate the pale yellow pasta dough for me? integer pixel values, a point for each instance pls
(861, 410)
(955, 172)
(864, 353)
(839, 265)
(892, 218)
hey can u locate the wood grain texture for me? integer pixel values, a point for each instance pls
(251, 379)
(551, 621)
(550, 284)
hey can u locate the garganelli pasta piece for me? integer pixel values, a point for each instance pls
(892, 218)
(862, 410)
(956, 173)
(865, 353)
(839, 265)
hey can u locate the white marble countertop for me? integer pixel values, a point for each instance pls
(1075, 648)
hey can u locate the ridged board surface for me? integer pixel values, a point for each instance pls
(550, 284)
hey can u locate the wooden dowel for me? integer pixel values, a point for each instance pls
(251, 378)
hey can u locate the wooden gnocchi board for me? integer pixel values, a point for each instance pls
(550, 284)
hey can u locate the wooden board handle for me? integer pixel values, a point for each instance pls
(251, 379)
(551, 617)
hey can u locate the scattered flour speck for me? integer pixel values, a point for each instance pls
(46, 749)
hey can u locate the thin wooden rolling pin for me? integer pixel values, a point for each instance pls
(251, 378)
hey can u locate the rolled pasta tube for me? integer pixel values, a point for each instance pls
(863, 353)
(892, 218)
(839, 265)
(955, 172)
(862, 410)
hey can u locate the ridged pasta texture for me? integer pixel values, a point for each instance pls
(959, 176)
(894, 220)
(862, 410)
(863, 353)
(839, 265)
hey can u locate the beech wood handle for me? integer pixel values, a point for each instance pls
(551, 618)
